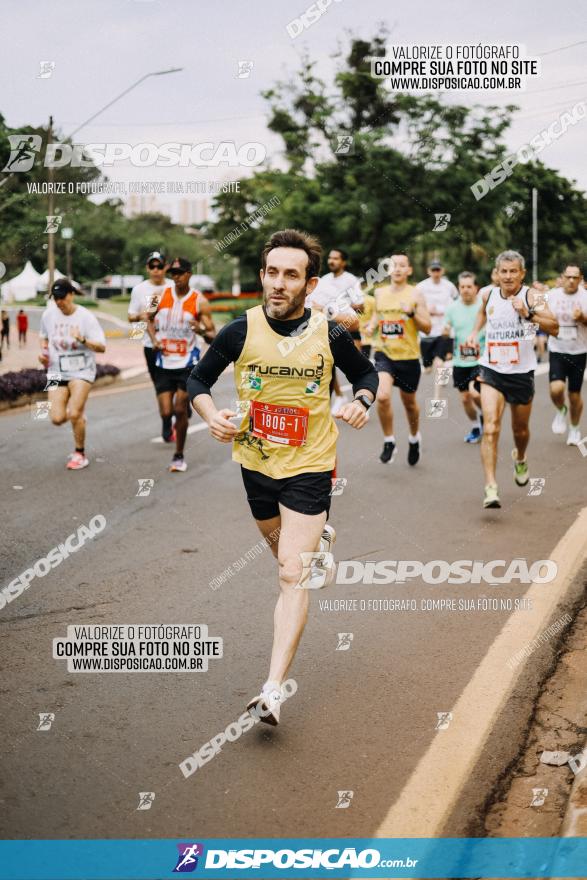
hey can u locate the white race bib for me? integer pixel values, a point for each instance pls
(567, 332)
(504, 353)
(72, 363)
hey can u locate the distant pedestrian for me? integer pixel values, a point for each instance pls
(5, 332)
(22, 322)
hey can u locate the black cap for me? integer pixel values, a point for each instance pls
(435, 264)
(180, 263)
(156, 255)
(62, 287)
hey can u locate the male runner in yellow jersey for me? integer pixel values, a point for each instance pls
(365, 315)
(284, 357)
(400, 311)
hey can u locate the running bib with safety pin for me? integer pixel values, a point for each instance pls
(468, 352)
(287, 425)
(392, 329)
(72, 363)
(504, 353)
(175, 346)
(567, 332)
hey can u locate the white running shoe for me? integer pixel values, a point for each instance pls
(266, 706)
(338, 402)
(574, 437)
(322, 574)
(559, 423)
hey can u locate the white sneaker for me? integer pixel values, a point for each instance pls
(338, 402)
(574, 437)
(322, 574)
(266, 706)
(559, 423)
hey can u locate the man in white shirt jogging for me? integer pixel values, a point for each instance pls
(438, 292)
(70, 337)
(510, 313)
(143, 304)
(568, 351)
(338, 294)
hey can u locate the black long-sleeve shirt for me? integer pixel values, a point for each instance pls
(228, 345)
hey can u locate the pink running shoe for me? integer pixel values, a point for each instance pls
(77, 461)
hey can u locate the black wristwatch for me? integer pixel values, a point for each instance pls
(364, 400)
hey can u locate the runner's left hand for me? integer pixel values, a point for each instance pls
(354, 414)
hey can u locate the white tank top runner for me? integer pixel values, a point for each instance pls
(509, 340)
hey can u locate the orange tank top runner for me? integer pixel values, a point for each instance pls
(174, 330)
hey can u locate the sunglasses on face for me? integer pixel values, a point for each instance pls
(155, 266)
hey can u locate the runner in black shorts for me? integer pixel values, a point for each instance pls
(568, 351)
(399, 312)
(285, 442)
(510, 314)
(182, 313)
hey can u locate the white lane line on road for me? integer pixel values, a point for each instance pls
(432, 791)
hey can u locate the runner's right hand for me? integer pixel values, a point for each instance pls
(44, 359)
(221, 428)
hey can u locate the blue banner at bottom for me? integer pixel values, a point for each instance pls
(305, 858)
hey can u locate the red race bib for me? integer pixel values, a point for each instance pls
(175, 346)
(287, 425)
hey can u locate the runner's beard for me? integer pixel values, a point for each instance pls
(283, 310)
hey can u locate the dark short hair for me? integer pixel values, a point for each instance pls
(343, 254)
(577, 264)
(402, 254)
(294, 238)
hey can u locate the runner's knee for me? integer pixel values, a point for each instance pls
(290, 571)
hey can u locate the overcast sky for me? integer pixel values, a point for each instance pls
(100, 48)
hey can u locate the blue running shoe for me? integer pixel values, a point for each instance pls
(474, 436)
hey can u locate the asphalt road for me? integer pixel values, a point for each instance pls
(361, 718)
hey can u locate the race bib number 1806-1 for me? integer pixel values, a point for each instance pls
(287, 425)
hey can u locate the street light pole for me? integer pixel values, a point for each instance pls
(51, 210)
(534, 234)
(122, 94)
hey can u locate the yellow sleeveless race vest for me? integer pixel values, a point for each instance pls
(365, 317)
(283, 387)
(397, 334)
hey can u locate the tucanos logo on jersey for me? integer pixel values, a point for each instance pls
(187, 859)
(315, 373)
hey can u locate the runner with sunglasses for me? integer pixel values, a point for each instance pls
(143, 303)
(181, 313)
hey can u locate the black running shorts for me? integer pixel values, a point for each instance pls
(515, 387)
(435, 347)
(406, 374)
(170, 380)
(150, 357)
(462, 376)
(307, 493)
(569, 367)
